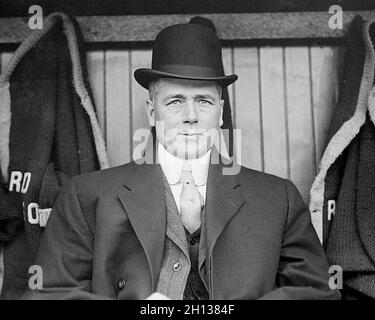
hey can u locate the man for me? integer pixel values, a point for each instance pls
(181, 228)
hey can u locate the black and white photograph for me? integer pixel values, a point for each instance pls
(187, 150)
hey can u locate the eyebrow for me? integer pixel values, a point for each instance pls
(205, 96)
(173, 96)
(182, 97)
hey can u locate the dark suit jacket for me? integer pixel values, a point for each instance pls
(106, 235)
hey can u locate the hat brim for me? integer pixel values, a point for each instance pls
(145, 76)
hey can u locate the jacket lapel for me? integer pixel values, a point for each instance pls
(223, 201)
(142, 197)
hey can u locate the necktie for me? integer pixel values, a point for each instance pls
(191, 202)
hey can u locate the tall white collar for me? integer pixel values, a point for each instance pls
(172, 166)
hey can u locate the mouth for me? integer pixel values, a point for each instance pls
(191, 136)
(190, 133)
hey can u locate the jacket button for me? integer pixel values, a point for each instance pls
(121, 284)
(176, 266)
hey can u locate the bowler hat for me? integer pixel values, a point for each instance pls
(185, 51)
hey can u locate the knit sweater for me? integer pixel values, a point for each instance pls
(53, 134)
(342, 201)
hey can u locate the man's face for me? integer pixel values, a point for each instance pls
(187, 115)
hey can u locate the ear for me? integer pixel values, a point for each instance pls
(150, 110)
(221, 112)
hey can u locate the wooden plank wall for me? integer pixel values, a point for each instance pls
(282, 102)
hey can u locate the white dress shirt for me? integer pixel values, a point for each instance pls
(172, 168)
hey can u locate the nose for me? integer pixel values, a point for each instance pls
(190, 113)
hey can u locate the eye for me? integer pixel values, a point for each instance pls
(174, 102)
(205, 102)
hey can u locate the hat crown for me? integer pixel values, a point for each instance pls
(187, 45)
(185, 51)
